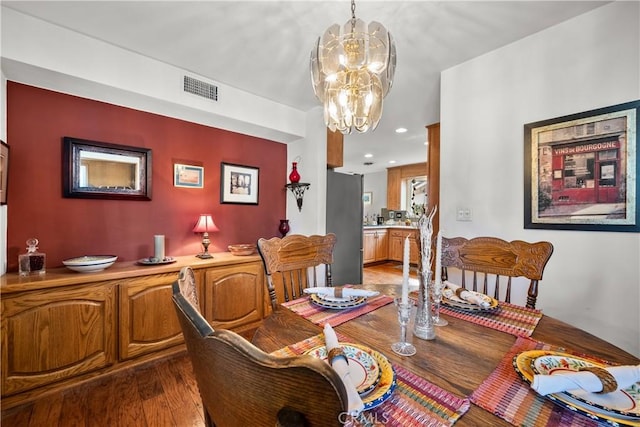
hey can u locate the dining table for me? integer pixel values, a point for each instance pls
(469, 361)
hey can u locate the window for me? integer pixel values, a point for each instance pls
(414, 195)
(578, 170)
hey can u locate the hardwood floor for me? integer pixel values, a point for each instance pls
(162, 393)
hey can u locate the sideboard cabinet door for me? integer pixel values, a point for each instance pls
(50, 335)
(148, 320)
(233, 296)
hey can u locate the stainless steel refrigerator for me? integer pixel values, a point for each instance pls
(344, 218)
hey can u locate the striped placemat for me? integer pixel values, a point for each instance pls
(509, 318)
(509, 397)
(320, 315)
(415, 401)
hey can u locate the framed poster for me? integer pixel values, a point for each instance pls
(580, 171)
(367, 197)
(238, 184)
(188, 176)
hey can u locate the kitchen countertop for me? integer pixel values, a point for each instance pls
(371, 227)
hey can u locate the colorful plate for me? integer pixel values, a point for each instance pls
(522, 364)
(338, 305)
(386, 384)
(623, 402)
(459, 303)
(329, 298)
(363, 368)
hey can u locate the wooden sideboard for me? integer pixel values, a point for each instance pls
(65, 328)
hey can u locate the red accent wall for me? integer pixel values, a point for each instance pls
(38, 119)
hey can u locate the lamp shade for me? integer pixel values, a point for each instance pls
(205, 224)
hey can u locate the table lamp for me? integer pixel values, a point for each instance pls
(204, 225)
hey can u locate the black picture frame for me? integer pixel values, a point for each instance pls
(580, 171)
(102, 170)
(239, 184)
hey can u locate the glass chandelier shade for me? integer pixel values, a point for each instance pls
(352, 69)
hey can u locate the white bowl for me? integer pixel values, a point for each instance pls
(90, 263)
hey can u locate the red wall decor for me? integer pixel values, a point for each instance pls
(38, 119)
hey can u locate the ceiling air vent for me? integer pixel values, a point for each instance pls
(200, 88)
(367, 163)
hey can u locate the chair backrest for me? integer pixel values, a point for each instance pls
(490, 257)
(291, 264)
(242, 385)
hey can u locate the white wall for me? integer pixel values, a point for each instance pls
(376, 183)
(40, 54)
(311, 155)
(593, 278)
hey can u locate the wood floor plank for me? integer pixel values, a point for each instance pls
(46, 412)
(149, 384)
(185, 369)
(182, 405)
(18, 416)
(74, 408)
(129, 408)
(101, 402)
(156, 411)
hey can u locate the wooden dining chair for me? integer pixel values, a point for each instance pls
(486, 259)
(240, 385)
(293, 263)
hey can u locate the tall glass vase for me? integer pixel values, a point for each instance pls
(424, 327)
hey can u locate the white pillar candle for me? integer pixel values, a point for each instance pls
(159, 247)
(405, 272)
(439, 259)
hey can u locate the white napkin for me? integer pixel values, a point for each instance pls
(450, 292)
(335, 292)
(562, 381)
(341, 366)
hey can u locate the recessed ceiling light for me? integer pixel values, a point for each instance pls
(392, 161)
(368, 155)
(401, 130)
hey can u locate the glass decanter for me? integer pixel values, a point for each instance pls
(33, 262)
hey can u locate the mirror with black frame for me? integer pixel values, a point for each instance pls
(100, 170)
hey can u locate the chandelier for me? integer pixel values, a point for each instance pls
(352, 70)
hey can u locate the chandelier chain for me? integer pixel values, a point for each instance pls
(353, 10)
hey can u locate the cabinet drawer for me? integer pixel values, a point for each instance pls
(403, 233)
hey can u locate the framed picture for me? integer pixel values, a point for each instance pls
(238, 184)
(4, 171)
(367, 197)
(580, 171)
(188, 176)
(101, 170)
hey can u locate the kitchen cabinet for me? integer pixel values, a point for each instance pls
(66, 327)
(395, 178)
(375, 245)
(396, 244)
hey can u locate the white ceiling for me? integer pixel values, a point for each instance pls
(263, 47)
